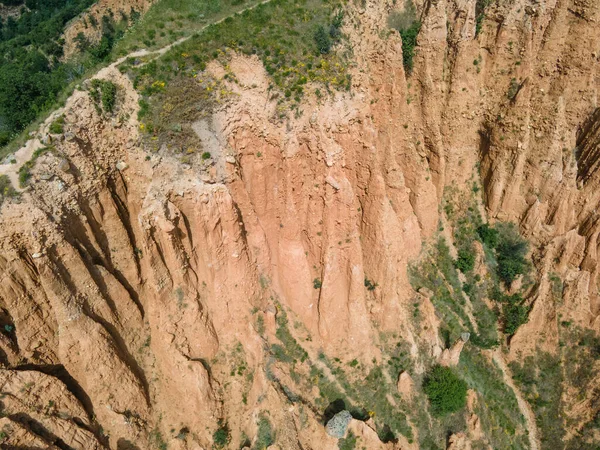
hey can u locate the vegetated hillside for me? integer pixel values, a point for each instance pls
(45, 54)
(30, 75)
(312, 225)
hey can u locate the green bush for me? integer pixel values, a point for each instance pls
(488, 235)
(447, 393)
(370, 285)
(265, 435)
(510, 252)
(408, 26)
(466, 260)
(222, 435)
(480, 6)
(515, 313)
(104, 93)
(322, 40)
(349, 443)
(57, 127)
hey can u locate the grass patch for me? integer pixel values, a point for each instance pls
(169, 20)
(57, 127)
(25, 169)
(349, 443)
(480, 7)
(6, 189)
(104, 95)
(497, 406)
(349, 384)
(540, 380)
(265, 435)
(437, 272)
(282, 33)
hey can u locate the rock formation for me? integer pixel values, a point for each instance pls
(142, 298)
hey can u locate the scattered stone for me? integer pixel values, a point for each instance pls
(230, 159)
(425, 292)
(331, 181)
(338, 425)
(122, 165)
(46, 139)
(69, 136)
(465, 336)
(37, 255)
(64, 165)
(46, 176)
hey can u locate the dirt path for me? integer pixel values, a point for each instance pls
(24, 154)
(525, 408)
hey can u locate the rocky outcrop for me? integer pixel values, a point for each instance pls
(129, 279)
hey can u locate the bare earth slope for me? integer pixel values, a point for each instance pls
(141, 297)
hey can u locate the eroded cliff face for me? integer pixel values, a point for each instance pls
(141, 296)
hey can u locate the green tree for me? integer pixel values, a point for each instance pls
(447, 393)
(515, 313)
(488, 235)
(510, 252)
(466, 260)
(323, 40)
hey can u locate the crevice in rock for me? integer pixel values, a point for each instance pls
(159, 251)
(61, 373)
(122, 352)
(587, 150)
(39, 430)
(119, 344)
(485, 144)
(91, 264)
(123, 213)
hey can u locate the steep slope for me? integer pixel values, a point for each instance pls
(154, 298)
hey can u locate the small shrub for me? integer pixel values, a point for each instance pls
(447, 393)
(510, 251)
(25, 169)
(349, 443)
(265, 435)
(513, 89)
(103, 93)
(480, 6)
(488, 235)
(57, 127)
(466, 260)
(206, 155)
(322, 40)
(317, 283)
(6, 188)
(515, 313)
(370, 285)
(222, 435)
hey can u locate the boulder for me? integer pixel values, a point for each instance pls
(122, 165)
(338, 424)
